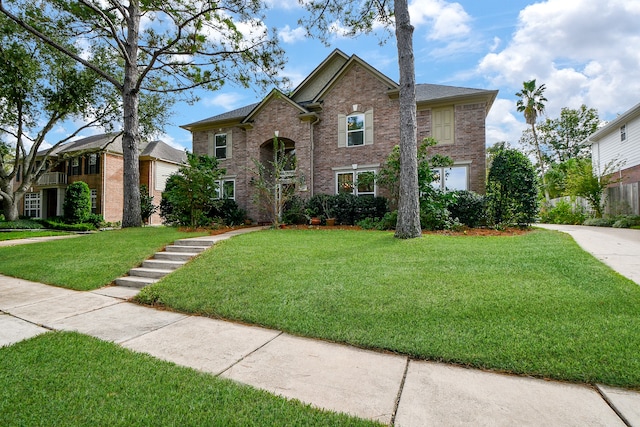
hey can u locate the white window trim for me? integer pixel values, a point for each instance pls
(354, 173)
(228, 148)
(343, 130)
(33, 202)
(220, 189)
(441, 170)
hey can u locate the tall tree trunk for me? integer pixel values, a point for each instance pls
(539, 154)
(408, 225)
(131, 215)
(9, 204)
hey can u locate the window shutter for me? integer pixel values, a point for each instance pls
(342, 130)
(368, 127)
(229, 145)
(211, 148)
(86, 163)
(97, 162)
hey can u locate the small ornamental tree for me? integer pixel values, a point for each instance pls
(511, 189)
(147, 208)
(583, 182)
(77, 203)
(192, 192)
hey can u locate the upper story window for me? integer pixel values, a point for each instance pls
(356, 129)
(442, 124)
(74, 166)
(220, 146)
(92, 165)
(623, 133)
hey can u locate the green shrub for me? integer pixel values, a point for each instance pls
(229, 211)
(563, 213)
(96, 220)
(56, 223)
(600, 222)
(295, 211)
(147, 208)
(511, 189)
(387, 222)
(434, 212)
(77, 203)
(627, 222)
(21, 224)
(346, 208)
(468, 208)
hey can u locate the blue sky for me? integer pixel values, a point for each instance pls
(585, 51)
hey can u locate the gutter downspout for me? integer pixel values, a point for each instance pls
(311, 157)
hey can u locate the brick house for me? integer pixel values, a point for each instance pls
(98, 161)
(618, 143)
(342, 121)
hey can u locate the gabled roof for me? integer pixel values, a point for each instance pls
(614, 125)
(275, 93)
(110, 141)
(310, 92)
(354, 59)
(162, 151)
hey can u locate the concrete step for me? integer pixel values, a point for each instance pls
(196, 242)
(163, 264)
(178, 248)
(153, 273)
(175, 256)
(135, 281)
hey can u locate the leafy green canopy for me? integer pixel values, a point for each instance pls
(192, 192)
(511, 189)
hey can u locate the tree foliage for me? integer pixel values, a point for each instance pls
(77, 203)
(531, 103)
(192, 192)
(582, 181)
(39, 88)
(511, 189)
(156, 52)
(274, 186)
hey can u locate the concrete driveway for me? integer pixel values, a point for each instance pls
(619, 248)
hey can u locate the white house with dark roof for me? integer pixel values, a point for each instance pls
(618, 143)
(343, 121)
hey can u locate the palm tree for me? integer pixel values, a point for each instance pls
(531, 103)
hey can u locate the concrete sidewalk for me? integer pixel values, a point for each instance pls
(382, 387)
(28, 240)
(619, 248)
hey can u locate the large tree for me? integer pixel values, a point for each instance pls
(155, 50)
(361, 17)
(531, 104)
(39, 88)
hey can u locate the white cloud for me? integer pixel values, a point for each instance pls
(227, 101)
(502, 124)
(282, 4)
(584, 51)
(291, 36)
(446, 19)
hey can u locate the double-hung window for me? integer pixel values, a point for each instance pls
(94, 201)
(92, 166)
(220, 145)
(355, 129)
(75, 166)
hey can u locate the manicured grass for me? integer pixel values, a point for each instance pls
(534, 304)
(68, 379)
(15, 235)
(87, 262)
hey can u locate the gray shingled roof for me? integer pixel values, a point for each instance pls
(90, 143)
(431, 92)
(238, 113)
(163, 151)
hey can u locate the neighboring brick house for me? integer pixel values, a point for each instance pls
(618, 143)
(342, 121)
(98, 161)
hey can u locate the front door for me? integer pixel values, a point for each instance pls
(52, 202)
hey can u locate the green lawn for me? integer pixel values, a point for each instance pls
(68, 379)
(86, 262)
(534, 304)
(15, 235)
